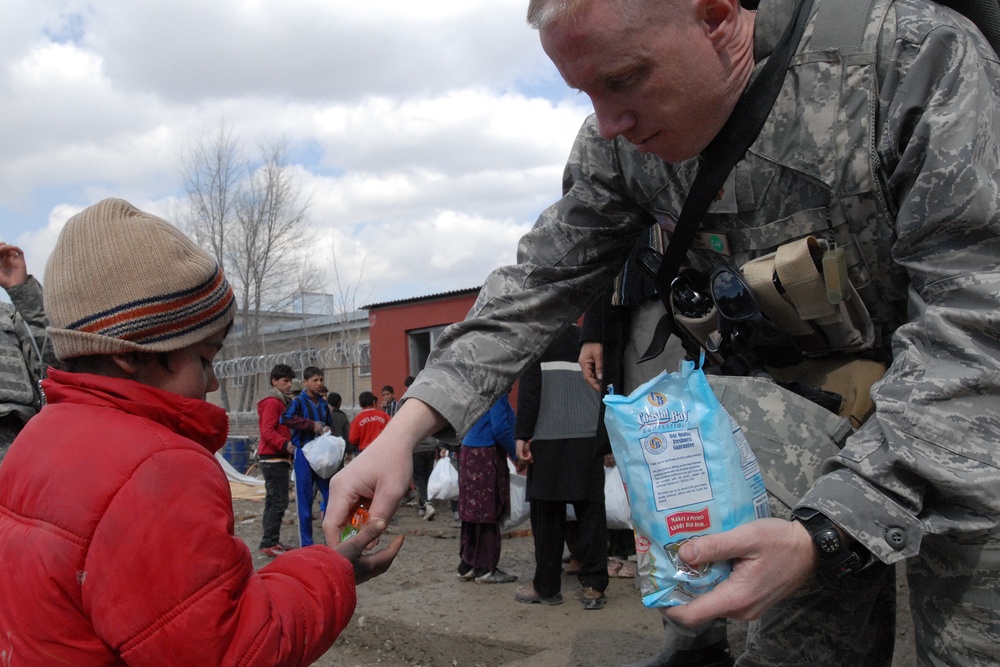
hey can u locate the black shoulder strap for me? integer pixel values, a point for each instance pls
(719, 158)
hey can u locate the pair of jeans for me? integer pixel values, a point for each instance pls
(276, 475)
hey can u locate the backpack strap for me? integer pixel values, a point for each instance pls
(984, 13)
(841, 25)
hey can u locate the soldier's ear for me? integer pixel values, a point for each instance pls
(719, 18)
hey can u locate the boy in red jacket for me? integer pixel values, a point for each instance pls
(116, 519)
(275, 451)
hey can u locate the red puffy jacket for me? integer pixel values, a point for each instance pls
(117, 544)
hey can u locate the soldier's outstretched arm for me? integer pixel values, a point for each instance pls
(383, 471)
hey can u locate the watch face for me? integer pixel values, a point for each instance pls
(828, 541)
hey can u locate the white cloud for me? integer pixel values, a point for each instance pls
(427, 135)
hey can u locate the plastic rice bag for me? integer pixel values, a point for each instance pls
(689, 471)
(325, 453)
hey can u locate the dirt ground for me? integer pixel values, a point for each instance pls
(420, 613)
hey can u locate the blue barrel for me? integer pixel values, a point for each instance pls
(237, 452)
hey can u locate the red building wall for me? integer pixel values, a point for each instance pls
(390, 324)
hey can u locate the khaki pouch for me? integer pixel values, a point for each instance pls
(801, 306)
(851, 378)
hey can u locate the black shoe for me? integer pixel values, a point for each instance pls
(715, 655)
(593, 598)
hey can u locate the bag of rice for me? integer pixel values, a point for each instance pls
(689, 471)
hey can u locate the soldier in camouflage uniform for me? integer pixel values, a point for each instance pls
(22, 345)
(886, 146)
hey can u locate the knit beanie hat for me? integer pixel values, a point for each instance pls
(120, 280)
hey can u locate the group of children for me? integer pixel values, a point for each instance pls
(290, 419)
(288, 423)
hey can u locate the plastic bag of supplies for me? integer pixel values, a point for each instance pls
(689, 471)
(324, 453)
(616, 500)
(520, 505)
(443, 482)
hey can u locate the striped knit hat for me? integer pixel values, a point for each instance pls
(120, 280)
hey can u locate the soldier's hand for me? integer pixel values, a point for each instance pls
(771, 559)
(384, 470)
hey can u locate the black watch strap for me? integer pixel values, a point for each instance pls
(838, 558)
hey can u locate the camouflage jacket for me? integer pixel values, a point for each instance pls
(23, 350)
(893, 152)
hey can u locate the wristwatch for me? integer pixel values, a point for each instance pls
(838, 557)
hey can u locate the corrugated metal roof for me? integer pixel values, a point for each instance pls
(343, 320)
(427, 297)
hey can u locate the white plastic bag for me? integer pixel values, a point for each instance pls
(324, 454)
(689, 471)
(616, 500)
(520, 507)
(443, 482)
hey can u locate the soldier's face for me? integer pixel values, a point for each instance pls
(659, 82)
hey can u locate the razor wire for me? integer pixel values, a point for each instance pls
(331, 357)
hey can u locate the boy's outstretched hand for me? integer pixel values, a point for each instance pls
(371, 565)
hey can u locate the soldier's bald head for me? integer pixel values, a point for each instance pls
(542, 13)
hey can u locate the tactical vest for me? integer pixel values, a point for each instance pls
(17, 386)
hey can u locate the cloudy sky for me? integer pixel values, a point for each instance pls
(427, 135)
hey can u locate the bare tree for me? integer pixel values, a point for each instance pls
(251, 215)
(213, 168)
(269, 234)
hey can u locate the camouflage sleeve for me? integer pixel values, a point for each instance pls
(574, 249)
(30, 325)
(928, 462)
